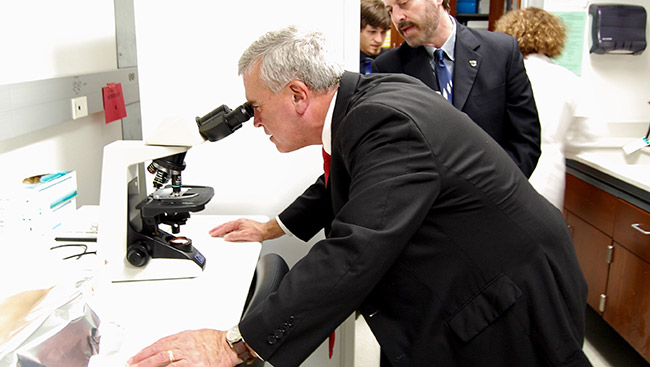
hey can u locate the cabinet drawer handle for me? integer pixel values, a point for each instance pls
(637, 226)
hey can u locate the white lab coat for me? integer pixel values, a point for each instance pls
(556, 90)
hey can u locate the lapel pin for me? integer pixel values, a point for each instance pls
(472, 63)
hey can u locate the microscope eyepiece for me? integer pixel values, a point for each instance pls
(240, 114)
(222, 121)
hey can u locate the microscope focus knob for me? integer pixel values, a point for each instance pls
(137, 255)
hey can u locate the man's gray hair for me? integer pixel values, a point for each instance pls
(291, 54)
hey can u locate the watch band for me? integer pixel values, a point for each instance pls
(237, 343)
(242, 351)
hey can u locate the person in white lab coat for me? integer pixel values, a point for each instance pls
(541, 38)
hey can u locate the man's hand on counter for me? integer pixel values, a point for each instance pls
(248, 230)
(205, 347)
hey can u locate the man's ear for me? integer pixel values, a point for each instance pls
(300, 94)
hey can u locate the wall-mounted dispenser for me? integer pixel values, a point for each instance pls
(618, 29)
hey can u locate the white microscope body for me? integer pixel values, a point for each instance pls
(120, 166)
(165, 256)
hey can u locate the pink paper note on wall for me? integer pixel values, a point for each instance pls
(114, 108)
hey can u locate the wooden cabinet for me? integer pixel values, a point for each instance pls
(592, 247)
(628, 296)
(628, 299)
(612, 241)
(589, 212)
(632, 229)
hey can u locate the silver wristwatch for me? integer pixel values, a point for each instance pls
(236, 342)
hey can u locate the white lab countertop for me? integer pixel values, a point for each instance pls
(150, 310)
(135, 314)
(608, 157)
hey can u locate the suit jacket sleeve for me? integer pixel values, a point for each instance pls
(309, 212)
(383, 166)
(522, 141)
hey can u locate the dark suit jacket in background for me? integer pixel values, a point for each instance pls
(434, 235)
(490, 85)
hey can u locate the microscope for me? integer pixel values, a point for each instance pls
(136, 248)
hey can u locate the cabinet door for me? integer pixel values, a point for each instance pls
(590, 203)
(628, 299)
(591, 248)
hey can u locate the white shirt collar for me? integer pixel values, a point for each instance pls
(327, 126)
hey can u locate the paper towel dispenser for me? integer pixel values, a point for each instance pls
(618, 29)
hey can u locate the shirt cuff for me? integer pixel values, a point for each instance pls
(283, 227)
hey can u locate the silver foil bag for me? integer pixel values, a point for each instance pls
(61, 333)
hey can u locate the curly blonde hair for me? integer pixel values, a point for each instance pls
(536, 30)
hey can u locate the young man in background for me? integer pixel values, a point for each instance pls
(375, 23)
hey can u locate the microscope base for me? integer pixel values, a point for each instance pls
(156, 269)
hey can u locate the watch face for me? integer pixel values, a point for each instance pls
(233, 334)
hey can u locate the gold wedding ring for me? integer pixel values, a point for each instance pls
(171, 356)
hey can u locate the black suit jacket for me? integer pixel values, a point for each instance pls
(490, 85)
(434, 235)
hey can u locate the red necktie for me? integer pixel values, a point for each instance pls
(332, 337)
(326, 165)
(326, 169)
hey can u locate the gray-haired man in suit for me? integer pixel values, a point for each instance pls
(432, 233)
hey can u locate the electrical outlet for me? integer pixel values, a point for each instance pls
(79, 107)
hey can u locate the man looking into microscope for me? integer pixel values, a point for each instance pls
(432, 233)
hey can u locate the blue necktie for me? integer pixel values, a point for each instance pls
(444, 77)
